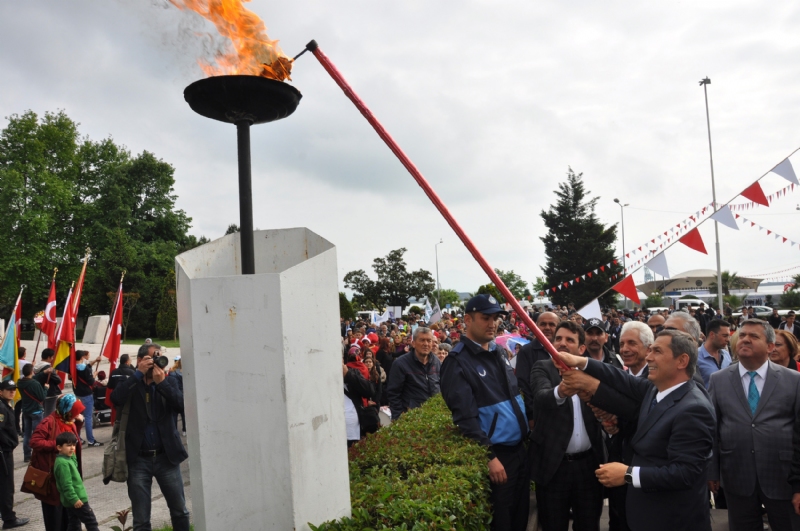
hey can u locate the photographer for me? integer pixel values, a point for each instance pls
(153, 446)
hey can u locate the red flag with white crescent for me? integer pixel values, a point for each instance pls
(111, 349)
(50, 323)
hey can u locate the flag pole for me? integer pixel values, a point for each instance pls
(111, 318)
(36, 350)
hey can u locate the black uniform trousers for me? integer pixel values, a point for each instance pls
(7, 487)
(511, 501)
(575, 486)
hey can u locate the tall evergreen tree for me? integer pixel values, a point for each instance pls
(578, 242)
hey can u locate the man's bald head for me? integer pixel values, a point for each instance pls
(656, 320)
(547, 323)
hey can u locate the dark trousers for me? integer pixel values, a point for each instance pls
(744, 512)
(617, 519)
(83, 515)
(511, 501)
(55, 517)
(7, 487)
(573, 486)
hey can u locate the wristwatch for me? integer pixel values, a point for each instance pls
(629, 476)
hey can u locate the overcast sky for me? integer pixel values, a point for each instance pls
(492, 100)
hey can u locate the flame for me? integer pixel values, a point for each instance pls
(253, 52)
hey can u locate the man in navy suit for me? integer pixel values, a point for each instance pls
(672, 445)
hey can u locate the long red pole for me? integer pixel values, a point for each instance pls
(435, 199)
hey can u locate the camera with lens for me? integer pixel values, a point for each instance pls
(161, 361)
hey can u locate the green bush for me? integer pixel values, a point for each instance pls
(419, 473)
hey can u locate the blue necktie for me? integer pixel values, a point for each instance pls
(652, 404)
(752, 392)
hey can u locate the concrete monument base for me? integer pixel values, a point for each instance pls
(263, 383)
(95, 330)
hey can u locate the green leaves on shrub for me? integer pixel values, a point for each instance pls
(419, 473)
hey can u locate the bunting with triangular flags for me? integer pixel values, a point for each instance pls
(693, 240)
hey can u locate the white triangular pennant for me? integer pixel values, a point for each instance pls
(785, 170)
(725, 216)
(591, 310)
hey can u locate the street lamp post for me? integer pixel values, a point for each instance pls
(438, 286)
(622, 217)
(705, 82)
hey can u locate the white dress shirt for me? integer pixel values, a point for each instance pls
(579, 442)
(638, 374)
(661, 395)
(760, 378)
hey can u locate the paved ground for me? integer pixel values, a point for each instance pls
(106, 500)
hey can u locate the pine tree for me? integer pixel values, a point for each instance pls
(577, 242)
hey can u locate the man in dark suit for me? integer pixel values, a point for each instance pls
(756, 403)
(790, 325)
(674, 435)
(529, 355)
(566, 445)
(153, 447)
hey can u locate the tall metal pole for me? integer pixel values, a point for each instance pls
(705, 82)
(622, 217)
(438, 286)
(245, 199)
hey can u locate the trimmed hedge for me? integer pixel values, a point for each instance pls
(419, 473)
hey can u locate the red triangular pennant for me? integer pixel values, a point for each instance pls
(755, 194)
(589, 274)
(628, 289)
(693, 240)
(784, 240)
(602, 268)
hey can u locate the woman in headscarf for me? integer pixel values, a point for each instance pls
(66, 417)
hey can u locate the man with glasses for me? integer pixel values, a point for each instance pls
(152, 445)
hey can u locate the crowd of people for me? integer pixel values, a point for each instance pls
(149, 400)
(665, 413)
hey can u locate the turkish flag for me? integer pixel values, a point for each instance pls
(49, 322)
(111, 350)
(628, 289)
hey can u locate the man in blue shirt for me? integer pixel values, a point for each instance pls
(712, 356)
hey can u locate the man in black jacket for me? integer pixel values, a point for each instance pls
(49, 379)
(415, 375)
(479, 387)
(120, 374)
(566, 444)
(530, 354)
(153, 446)
(673, 440)
(8, 441)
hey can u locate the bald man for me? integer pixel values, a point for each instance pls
(530, 354)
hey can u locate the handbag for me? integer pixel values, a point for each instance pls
(37, 481)
(115, 464)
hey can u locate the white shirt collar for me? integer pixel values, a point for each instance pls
(640, 371)
(661, 395)
(762, 371)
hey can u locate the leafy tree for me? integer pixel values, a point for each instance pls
(733, 300)
(540, 284)
(233, 228)
(167, 318)
(790, 299)
(395, 284)
(729, 281)
(416, 310)
(653, 300)
(514, 283)
(491, 289)
(445, 297)
(60, 193)
(576, 241)
(345, 308)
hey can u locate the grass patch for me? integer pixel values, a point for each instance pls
(419, 473)
(168, 343)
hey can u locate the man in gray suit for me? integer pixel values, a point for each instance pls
(756, 403)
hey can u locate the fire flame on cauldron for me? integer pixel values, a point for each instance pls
(254, 54)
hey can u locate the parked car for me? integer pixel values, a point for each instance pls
(762, 312)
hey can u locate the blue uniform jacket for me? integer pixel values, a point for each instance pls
(478, 386)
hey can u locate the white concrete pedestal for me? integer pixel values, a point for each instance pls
(263, 383)
(95, 330)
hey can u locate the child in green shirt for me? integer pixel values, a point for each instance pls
(70, 485)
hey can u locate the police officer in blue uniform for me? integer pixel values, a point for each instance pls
(479, 387)
(8, 441)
